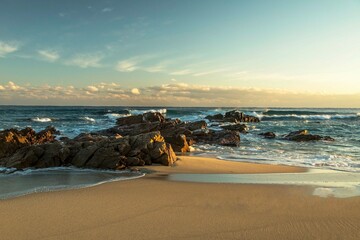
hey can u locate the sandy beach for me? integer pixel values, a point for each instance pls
(155, 208)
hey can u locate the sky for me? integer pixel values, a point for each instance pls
(180, 53)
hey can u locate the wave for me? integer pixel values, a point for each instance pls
(137, 111)
(37, 119)
(298, 112)
(89, 119)
(114, 116)
(59, 178)
(310, 117)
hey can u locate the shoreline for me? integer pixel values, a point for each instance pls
(153, 208)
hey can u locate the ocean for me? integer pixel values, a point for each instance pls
(342, 124)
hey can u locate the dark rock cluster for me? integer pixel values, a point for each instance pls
(233, 116)
(134, 141)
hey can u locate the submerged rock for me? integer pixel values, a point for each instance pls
(304, 136)
(269, 135)
(236, 127)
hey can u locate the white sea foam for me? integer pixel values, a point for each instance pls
(137, 112)
(328, 182)
(58, 178)
(89, 119)
(255, 114)
(313, 117)
(114, 116)
(37, 119)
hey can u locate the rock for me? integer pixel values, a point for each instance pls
(233, 116)
(304, 136)
(168, 157)
(179, 143)
(90, 151)
(225, 137)
(196, 125)
(83, 155)
(12, 139)
(153, 117)
(269, 135)
(216, 117)
(236, 127)
(129, 120)
(38, 156)
(54, 155)
(105, 157)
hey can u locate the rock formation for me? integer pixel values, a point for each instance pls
(233, 116)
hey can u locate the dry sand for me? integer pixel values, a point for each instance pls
(154, 208)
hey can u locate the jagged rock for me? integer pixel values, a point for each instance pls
(168, 156)
(38, 156)
(196, 125)
(268, 135)
(12, 139)
(153, 117)
(54, 155)
(304, 136)
(148, 117)
(236, 127)
(179, 143)
(91, 151)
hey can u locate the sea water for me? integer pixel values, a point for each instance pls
(342, 124)
(60, 178)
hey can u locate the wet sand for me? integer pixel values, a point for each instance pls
(154, 208)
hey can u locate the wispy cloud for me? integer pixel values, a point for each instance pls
(85, 60)
(221, 70)
(126, 66)
(181, 72)
(7, 48)
(49, 55)
(173, 94)
(104, 10)
(133, 63)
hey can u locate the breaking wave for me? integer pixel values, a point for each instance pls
(37, 119)
(88, 119)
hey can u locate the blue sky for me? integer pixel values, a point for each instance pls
(131, 49)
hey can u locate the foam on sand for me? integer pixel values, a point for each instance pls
(327, 182)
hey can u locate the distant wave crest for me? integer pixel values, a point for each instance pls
(88, 119)
(137, 112)
(312, 117)
(37, 119)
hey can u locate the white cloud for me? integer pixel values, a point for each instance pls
(92, 89)
(85, 60)
(13, 86)
(49, 55)
(106, 10)
(6, 48)
(135, 91)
